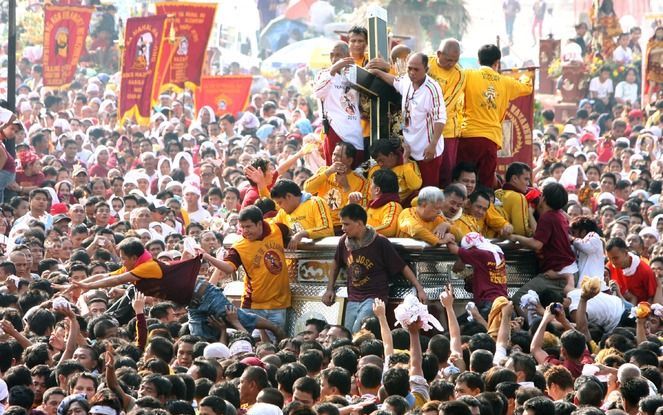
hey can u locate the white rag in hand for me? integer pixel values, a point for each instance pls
(529, 300)
(411, 310)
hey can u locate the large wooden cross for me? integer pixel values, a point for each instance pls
(381, 94)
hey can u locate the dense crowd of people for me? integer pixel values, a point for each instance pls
(117, 241)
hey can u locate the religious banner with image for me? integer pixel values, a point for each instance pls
(224, 94)
(192, 25)
(65, 31)
(143, 39)
(517, 126)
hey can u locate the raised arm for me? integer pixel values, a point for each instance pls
(138, 305)
(74, 331)
(581, 316)
(456, 346)
(9, 328)
(416, 356)
(640, 330)
(111, 378)
(504, 332)
(527, 242)
(219, 264)
(380, 311)
(109, 281)
(537, 341)
(387, 77)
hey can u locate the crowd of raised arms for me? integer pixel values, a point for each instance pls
(113, 258)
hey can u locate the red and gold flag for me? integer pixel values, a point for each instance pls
(225, 94)
(143, 39)
(192, 25)
(517, 126)
(65, 31)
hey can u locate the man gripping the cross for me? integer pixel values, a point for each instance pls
(424, 115)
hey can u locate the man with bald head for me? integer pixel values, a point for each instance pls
(340, 104)
(424, 116)
(444, 68)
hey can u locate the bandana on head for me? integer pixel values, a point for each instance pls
(475, 240)
(27, 158)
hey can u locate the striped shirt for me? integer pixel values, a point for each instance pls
(422, 107)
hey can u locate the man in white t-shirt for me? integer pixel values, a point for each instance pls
(193, 208)
(603, 310)
(424, 116)
(340, 104)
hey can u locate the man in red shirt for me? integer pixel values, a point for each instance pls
(635, 279)
(489, 266)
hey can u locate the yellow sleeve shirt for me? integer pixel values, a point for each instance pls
(334, 194)
(312, 216)
(516, 211)
(452, 81)
(409, 178)
(464, 225)
(410, 225)
(487, 97)
(385, 219)
(494, 220)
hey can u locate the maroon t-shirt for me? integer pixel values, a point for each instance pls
(489, 280)
(35, 180)
(369, 268)
(552, 231)
(97, 170)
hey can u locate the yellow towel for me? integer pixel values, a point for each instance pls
(495, 316)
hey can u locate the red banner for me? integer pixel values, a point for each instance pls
(142, 44)
(65, 30)
(192, 27)
(517, 126)
(225, 94)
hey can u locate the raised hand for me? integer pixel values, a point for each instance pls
(217, 323)
(355, 197)
(109, 356)
(447, 297)
(379, 309)
(138, 303)
(231, 314)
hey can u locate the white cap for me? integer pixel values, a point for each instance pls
(62, 124)
(639, 193)
(606, 196)
(216, 351)
(92, 87)
(190, 189)
(648, 230)
(262, 408)
(569, 129)
(623, 140)
(240, 346)
(172, 184)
